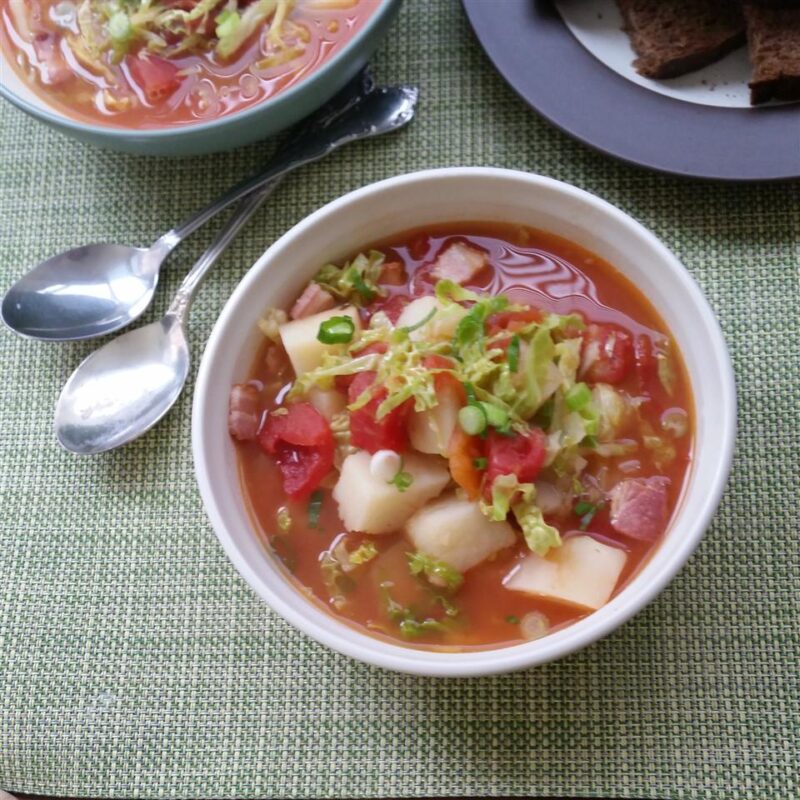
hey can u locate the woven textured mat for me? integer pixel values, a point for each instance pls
(135, 663)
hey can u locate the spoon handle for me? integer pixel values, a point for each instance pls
(181, 303)
(311, 140)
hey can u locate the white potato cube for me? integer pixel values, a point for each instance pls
(430, 431)
(441, 326)
(582, 572)
(328, 402)
(299, 338)
(455, 531)
(370, 504)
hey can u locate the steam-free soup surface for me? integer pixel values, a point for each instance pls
(157, 63)
(487, 444)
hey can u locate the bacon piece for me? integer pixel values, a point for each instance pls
(459, 263)
(313, 300)
(393, 273)
(244, 414)
(639, 507)
(53, 67)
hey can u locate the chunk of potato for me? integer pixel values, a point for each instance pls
(371, 505)
(299, 338)
(328, 402)
(430, 431)
(582, 572)
(441, 326)
(455, 531)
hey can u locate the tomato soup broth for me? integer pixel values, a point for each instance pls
(176, 74)
(535, 269)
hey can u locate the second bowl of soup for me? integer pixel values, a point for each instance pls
(469, 441)
(170, 78)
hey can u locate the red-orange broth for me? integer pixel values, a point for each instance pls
(531, 267)
(147, 86)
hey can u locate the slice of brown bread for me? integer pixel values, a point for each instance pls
(773, 36)
(673, 37)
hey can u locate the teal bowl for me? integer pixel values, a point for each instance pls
(226, 133)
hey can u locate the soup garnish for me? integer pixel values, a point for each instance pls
(152, 63)
(464, 437)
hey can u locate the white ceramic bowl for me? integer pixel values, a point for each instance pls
(345, 226)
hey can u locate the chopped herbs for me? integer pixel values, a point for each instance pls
(513, 353)
(587, 511)
(437, 572)
(409, 626)
(512, 620)
(363, 553)
(336, 330)
(402, 480)
(284, 519)
(337, 583)
(315, 508)
(480, 463)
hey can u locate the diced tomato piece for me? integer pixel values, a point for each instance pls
(519, 454)
(445, 381)
(463, 451)
(343, 381)
(156, 77)
(512, 320)
(366, 430)
(394, 306)
(607, 354)
(393, 273)
(303, 446)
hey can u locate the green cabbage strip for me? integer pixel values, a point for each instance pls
(508, 494)
(357, 281)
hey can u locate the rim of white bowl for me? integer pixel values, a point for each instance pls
(348, 640)
(50, 114)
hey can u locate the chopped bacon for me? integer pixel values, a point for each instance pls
(459, 263)
(393, 273)
(639, 507)
(53, 67)
(244, 415)
(313, 300)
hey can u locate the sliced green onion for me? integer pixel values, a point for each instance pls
(119, 27)
(479, 463)
(512, 620)
(513, 353)
(578, 396)
(336, 330)
(496, 417)
(472, 420)
(314, 508)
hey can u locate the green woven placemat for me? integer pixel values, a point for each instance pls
(135, 663)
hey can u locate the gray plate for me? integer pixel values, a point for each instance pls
(543, 62)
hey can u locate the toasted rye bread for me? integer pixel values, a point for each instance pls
(773, 36)
(673, 37)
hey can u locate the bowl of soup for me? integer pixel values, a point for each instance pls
(463, 421)
(182, 78)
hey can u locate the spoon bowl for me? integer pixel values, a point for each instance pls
(124, 388)
(83, 293)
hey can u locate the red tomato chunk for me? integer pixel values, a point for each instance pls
(520, 454)
(369, 432)
(607, 354)
(303, 446)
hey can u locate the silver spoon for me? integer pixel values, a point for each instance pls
(97, 289)
(124, 388)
